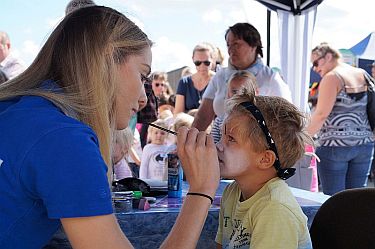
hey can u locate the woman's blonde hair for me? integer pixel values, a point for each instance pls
(203, 47)
(82, 56)
(284, 121)
(324, 48)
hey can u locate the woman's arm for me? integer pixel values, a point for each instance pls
(133, 154)
(96, 232)
(198, 156)
(180, 104)
(199, 160)
(205, 115)
(330, 85)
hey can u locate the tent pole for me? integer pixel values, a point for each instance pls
(268, 36)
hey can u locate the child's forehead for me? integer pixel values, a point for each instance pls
(237, 81)
(235, 123)
(156, 130)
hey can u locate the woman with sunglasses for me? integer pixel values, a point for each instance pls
(340, 123)
(245, 51)
(191, 88)
(56, 121)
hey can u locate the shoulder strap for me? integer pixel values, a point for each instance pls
(342, 80)
(369, 81)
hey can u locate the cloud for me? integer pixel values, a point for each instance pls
(27, 52)
(52, 22)
(30, 48)
(168, 55)
(28, 31)
(213, 16)
(340, 24)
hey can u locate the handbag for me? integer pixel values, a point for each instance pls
(370, 100)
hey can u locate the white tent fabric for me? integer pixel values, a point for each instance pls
(295, 37)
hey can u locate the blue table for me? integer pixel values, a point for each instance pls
(147, 229)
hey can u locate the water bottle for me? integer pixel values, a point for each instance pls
(174, 176)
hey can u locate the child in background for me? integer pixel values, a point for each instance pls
(181, 119)
(123, 142)
(262, 138)
(135, 154)
(154, 154)
(239, 79)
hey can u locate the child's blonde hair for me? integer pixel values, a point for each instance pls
(124, 138)
(182, 119)
(250, 85)
(159, 122)
(165, 114)
(284, 121)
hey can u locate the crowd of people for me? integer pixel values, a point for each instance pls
(83, 109)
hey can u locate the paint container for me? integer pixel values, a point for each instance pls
(174, 176)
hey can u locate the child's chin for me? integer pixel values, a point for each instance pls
(225, 176)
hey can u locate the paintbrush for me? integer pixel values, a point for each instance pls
(163, 129)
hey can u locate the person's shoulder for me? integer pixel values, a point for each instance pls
(41, 111)
(29, 118)
(231, 189)
(186, 79)
(333, 77)
(220, 77)
(265, 72)
(222, 72)
(280, 196)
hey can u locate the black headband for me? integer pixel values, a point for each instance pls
(282, 173)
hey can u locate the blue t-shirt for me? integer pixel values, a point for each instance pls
(193, 96)
(50, 168)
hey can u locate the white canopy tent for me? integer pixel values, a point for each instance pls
(296, 21)
(296, 25)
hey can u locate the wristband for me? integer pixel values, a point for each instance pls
(200, 194)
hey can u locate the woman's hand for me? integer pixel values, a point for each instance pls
(198, 156)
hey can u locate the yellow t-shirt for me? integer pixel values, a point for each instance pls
(271, 219)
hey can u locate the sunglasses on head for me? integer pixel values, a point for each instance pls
(316, 62)
(281, 173)
(198, 63)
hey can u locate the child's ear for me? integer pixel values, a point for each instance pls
(267, 160)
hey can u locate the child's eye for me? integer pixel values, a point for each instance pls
(231, 139)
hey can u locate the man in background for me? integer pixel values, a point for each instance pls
(9, 64)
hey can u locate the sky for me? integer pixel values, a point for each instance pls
(176, 26)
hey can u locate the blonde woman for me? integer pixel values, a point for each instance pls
(340, 123)
(191, 88)
(64, 107)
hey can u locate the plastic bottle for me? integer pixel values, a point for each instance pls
(174, 176)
